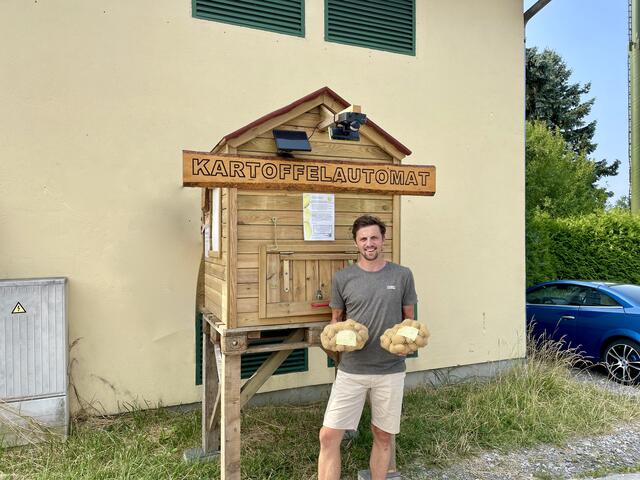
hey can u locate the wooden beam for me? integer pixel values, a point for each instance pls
(210, 392)
(201, 169)
(230, 418)
(270, 366)
(232, 256)
(276, 347)
(329, 118)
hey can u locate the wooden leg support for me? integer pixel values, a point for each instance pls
(211, 393)
(230, 418)
(210, 399)
(267, 368)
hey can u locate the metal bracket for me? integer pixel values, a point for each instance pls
(233, 344)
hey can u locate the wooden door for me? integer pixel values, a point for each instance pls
(295, 280)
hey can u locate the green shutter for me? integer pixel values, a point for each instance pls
(282, 16)
(297, 361)
(380, 24)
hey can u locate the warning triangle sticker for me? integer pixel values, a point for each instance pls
(18, 309)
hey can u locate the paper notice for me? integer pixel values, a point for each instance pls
(346, 338)
(409, 332)
(318, 215)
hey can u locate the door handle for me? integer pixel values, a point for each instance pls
(567, 317)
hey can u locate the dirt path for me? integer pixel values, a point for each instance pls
(578, 458)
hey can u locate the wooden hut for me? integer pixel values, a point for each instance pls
(259, 270)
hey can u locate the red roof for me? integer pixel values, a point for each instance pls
(306, 98)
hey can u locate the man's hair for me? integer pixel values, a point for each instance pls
(367, 221)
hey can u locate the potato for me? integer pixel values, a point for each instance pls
(330, 333)
(398, 344)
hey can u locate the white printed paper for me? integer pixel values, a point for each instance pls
(346, 338)
(408, 332)
(318, 214)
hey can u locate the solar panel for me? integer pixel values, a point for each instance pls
(291, 140)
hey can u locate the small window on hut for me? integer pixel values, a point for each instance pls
(388, 25)
(281, 16)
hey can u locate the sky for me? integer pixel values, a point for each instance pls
(592, 36)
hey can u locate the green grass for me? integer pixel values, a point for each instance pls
(535, 402)
(603, 472)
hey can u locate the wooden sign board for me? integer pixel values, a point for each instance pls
(202, 169)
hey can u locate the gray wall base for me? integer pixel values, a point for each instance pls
(438, 376)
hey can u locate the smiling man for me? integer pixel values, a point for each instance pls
(377, 294)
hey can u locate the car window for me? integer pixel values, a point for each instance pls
(596, 298)
(560, 294)
(630, 291)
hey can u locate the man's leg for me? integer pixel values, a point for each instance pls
(329, 458)
(343, 412)
(380, 454)
(386, 408)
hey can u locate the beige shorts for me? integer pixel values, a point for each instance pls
(349, 393)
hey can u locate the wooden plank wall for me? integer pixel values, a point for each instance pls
(256, 209)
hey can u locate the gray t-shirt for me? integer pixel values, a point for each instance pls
(374, 299)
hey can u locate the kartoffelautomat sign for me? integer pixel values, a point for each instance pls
(225, 170)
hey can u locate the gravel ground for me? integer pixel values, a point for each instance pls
(579, 457)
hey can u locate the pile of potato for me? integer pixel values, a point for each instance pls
(405, 337)
(344, 336)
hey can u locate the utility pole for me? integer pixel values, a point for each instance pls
(634, 106)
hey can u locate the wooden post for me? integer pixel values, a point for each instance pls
(210, 392)
(230, 418)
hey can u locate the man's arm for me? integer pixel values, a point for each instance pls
(407, 311)
(337, 315)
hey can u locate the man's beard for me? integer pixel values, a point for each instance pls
(376, 255)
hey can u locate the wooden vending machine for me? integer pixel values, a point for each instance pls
(277, 216)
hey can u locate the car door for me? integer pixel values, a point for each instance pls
(598, 314)
(552, 311)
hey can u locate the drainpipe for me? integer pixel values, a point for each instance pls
(634, 107)
(535, 8)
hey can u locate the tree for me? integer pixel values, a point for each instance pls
(551, 98)
(623, 203)
(559, 182)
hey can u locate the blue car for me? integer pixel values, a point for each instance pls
(602, 320)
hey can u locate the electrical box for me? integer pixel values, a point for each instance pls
(33, 360)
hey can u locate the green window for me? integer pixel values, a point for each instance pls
(381, 24)
(282, 16)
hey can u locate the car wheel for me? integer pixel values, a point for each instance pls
(622, 359)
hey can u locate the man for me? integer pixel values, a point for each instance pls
(377, 294)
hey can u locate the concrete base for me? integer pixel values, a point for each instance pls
(197, 455)
(316, 393)
(366, 475)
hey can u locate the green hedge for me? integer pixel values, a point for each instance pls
(601, 246)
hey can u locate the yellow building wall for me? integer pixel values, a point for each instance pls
(99, 98)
